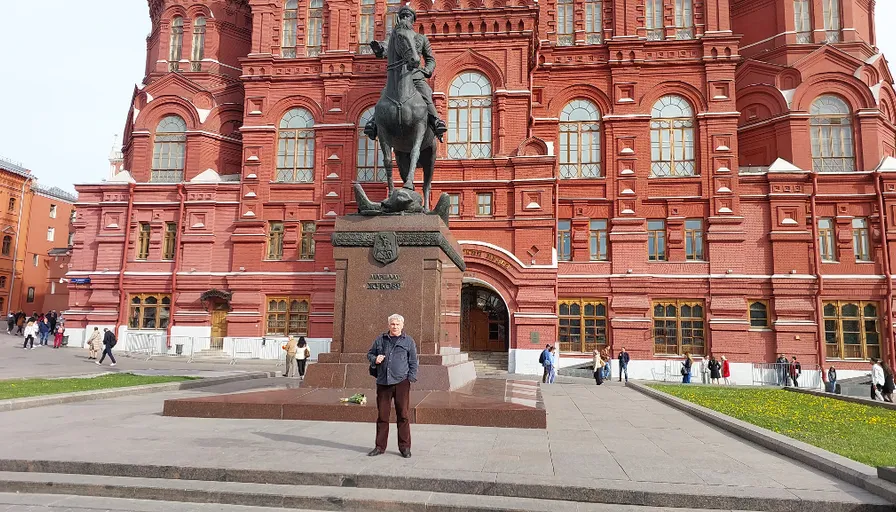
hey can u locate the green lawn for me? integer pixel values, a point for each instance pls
(20, 388)
(860, 432)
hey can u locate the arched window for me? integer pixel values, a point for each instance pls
(366, 25)
(169, 150)
(369, 165)
(684, 19)
(12, 205)
(653, 20)
(295, 150)
(30, 295)
(580, 140)
(672, 137)
(831, 134)
(290, 27)
(315, 27)
(470, 117)
(7, 245)
(2, 281)
(198, 43)
(176, 45)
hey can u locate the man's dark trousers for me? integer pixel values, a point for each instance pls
(107, 351)
(401, 394)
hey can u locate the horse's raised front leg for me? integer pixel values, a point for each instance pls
(386, 152)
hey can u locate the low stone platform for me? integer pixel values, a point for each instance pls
(482, 403)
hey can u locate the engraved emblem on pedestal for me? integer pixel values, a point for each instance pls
(385, 247)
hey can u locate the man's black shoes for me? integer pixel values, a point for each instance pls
(374, 452)
(405, 453)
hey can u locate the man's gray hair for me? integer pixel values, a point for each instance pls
(396, 316)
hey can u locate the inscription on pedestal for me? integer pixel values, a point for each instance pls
(384, 282)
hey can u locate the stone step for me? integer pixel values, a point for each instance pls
(406, 488)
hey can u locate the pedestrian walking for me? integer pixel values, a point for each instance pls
(393, 358)
(545, 355)
(832, 380)
(782, 368)
(877, 379)
(10, 322)
(51, 316)
(290, 349)
(547, 362)
(686, 368)
(303, 354)
(889, 385)
(555, 364)
(623, 364)
(57, 338)
(43, 330)
(598, 366)
(30, 331)
(726, 370)
(20, 323)
(109, 342)
(715, 370)
(795, 370)
(605, 357)
(93, 344)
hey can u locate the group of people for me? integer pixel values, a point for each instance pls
(550, 357)
(39, 325)
(106, 341)
(297, 355)
(788, 372)
(716, 369)
(882, 385)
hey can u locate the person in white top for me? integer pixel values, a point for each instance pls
(877, 379)
(31, 331)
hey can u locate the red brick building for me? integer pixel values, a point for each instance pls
(664, 175)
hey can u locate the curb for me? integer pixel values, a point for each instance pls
(845, 398)
(848, 470)
(161, 482)
(16, 404)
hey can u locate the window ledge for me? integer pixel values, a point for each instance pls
(760, 329)
(859, 360)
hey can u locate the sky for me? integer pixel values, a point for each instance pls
(64, 95)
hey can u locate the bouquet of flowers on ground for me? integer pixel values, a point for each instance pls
(357, 398)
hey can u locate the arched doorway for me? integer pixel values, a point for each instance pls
(485, 322)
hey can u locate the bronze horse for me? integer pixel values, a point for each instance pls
(401, 117)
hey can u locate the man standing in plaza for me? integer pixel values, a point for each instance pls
(394, 357)
(545, 356)
(109, 341)
(623, 364)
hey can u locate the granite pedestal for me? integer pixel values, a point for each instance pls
(405, 264)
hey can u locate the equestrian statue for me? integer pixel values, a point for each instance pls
(405, 121)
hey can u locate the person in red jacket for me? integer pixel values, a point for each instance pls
(726, 370)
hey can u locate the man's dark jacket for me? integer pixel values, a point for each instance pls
(623, 359)
(109, 339)
(400, 362)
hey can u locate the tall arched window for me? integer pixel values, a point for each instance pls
(176, 46)
(369, 165)
(315, 27)
(2, 282)
(295, 150)
(7, 245)
(831, 134)
(169, 150)
(684, 19)
(366, 22)
(653, 20)
(198, 44)
(672, 137)
(290, 28)
(580, 140)
(831, 14)
(470, 116)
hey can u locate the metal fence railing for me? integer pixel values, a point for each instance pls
(200, 349)
(778, 374)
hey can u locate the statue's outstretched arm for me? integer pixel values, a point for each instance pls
(379, 49)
